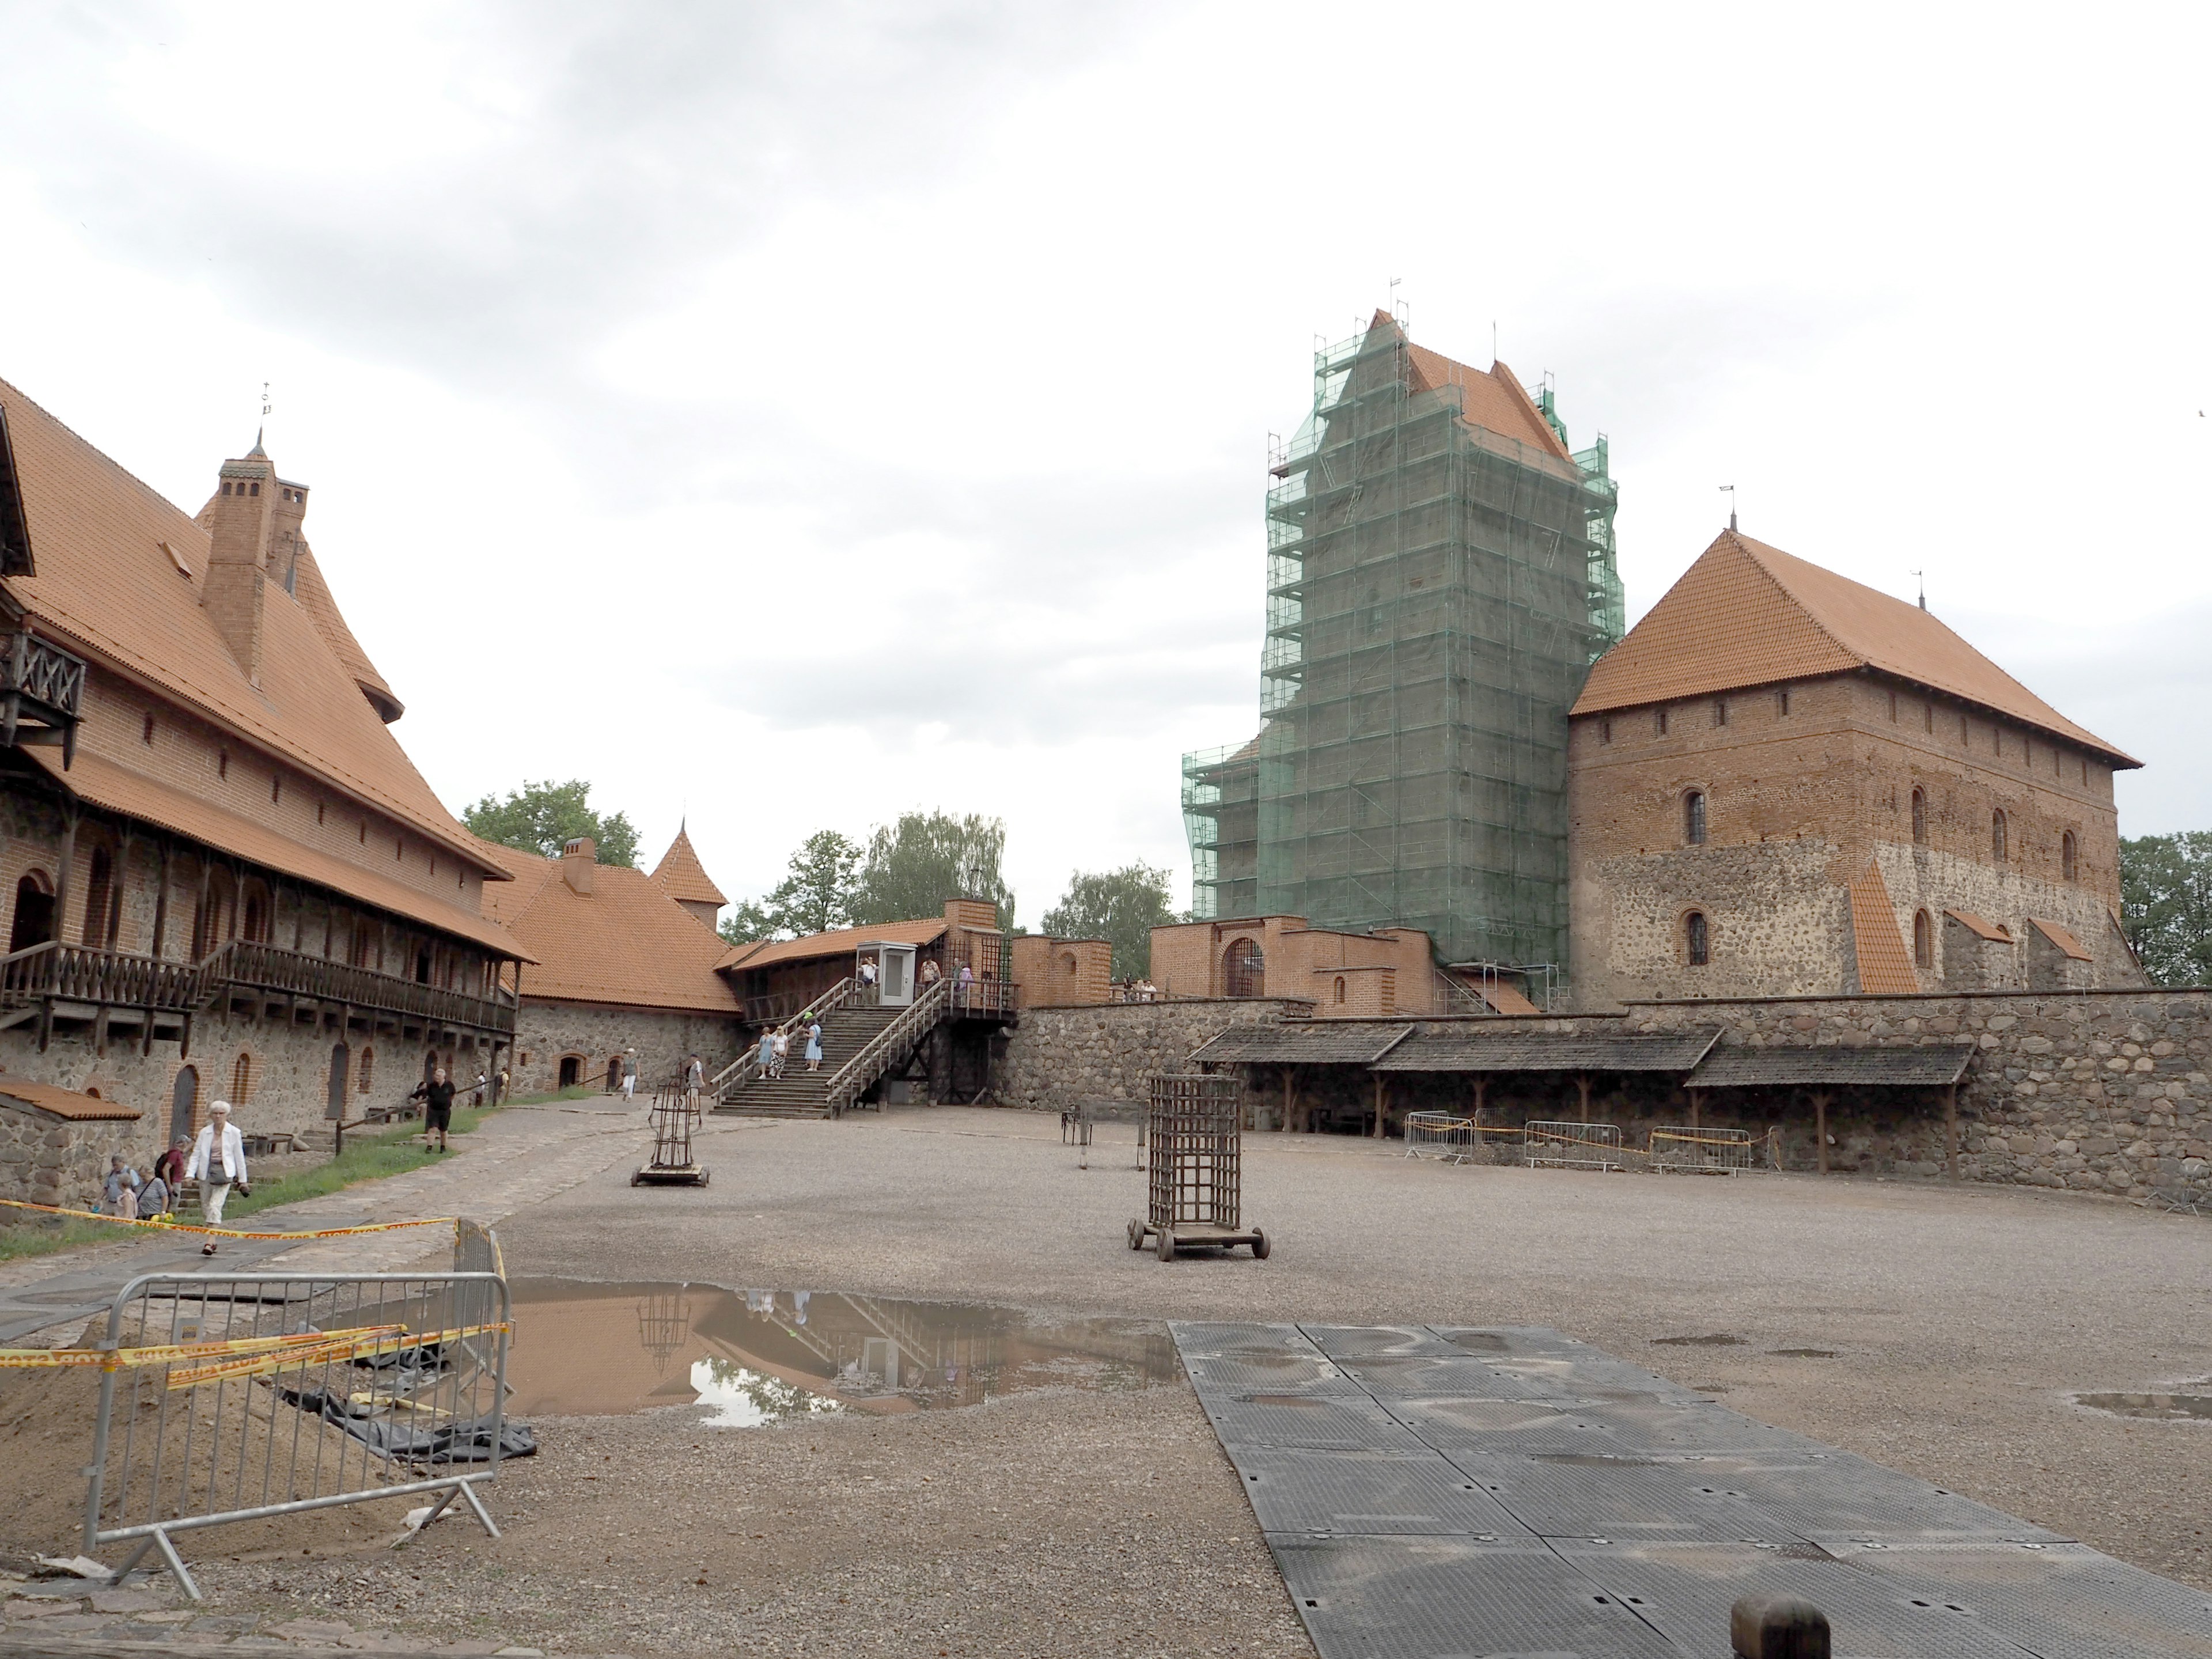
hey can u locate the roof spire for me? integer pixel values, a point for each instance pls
(258, 452)
(1923, 576)
(1728, 490)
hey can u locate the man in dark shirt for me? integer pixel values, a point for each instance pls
(437, 1107)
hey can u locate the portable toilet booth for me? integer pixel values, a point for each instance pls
(894, 972)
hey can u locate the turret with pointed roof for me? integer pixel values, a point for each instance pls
(685, 879)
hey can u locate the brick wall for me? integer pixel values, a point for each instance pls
(1062, 973)
(1797, 803)
(1300, 962)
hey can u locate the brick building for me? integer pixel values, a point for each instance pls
(1784, 783)
(223, 876)
(1343, 974)
(620, 963)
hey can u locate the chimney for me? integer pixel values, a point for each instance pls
(240, 519)
(578, 860)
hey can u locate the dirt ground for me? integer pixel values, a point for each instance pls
(1944, 1331)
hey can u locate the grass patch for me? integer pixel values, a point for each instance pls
(368, 1157)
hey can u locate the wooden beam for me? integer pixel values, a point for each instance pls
(1582, 1088)
(1951, 1131)
(1381, 1104)
(1820, 1099)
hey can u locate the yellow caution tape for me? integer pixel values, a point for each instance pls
(244, 1356)
(167, 1225)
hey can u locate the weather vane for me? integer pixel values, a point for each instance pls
(1728, 490)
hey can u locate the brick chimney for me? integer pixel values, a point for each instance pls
(240, 519)
(578, 860)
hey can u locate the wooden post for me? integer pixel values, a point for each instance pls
(1951, 1131)
(113, 921)
(1582, 1088)
(63, 868)
(1693, 1095)
(1820, 1099)
(1381, 1104)
(203, 925)
(161, 902)
(1290, 1098)
(1481, 1088)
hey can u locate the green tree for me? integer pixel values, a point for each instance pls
(1121, 906)
(914, 866)
(815, 896)
(544, 817)
(2165, 904)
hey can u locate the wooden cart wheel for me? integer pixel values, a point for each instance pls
(1136, 1235)
(637, 1178)
(703, 1174)
(1167, 1244)
(1260, 1245)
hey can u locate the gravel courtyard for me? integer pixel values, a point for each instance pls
(1940, 1330)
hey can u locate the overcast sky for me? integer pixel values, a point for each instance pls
(790, 414)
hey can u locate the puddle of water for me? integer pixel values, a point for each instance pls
(1803, 1353)
(2157, 1407)
(1697, 1341)
(759, 1359)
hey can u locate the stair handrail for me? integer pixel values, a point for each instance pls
(747, 1066)
(854, 1076)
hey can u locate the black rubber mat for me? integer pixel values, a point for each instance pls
(1302, 1490)
(1559, 1503)
(1444, 1598)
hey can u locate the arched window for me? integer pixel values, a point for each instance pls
(2066, 856)
(1067, 962)
(1919, 818)
(184, 1102)
(1693, 818)
(97, 893)
(1923, 940)
(1998, 836)
(1696, 938)
(241, 1079)
(1340, 988)
(34, 911)
(365, 1073)
(1243, 969)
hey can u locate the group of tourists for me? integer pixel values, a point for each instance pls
(774, 1051)
(216, 1160)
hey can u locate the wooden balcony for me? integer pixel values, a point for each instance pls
(112, 978)
(270, 970)
(41, 694)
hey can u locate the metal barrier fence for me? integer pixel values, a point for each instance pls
(1442, 1136)
(1701, 1152)
(1573, 1145)
(241, 1398)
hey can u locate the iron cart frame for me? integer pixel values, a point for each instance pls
(1194, 1194)
(675, 1115)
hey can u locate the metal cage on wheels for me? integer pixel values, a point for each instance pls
(1194, 1186)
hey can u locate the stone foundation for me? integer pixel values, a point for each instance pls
(1057, 1056)
(45, 1159)
(594, 1034)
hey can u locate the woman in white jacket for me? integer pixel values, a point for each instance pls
(218, 1159)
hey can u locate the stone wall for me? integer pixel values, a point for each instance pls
(595, 1033)
(45, 1159)
(1057, 1056)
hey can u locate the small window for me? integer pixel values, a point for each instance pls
(276, 790)
(366, 1069)
(319, 812)
(1998, 836)
(1892, 708)
(1659, 719)
(1720, 711)
(1695, 939)
(1928, 716)
(434, 864)
(146, 731)
(1919, 818)
(1782, 703)
(241, 1079)
(1693, 818)
(1340, 988)
(364, 832)
(398, 848)
(254, 488)
(1604, 730)
(2066, 856)
(1965, 733)
(2085, 774)
(1923, 940)
(222, 763)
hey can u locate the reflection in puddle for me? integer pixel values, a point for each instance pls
(2159, 1408)
(756, 1358)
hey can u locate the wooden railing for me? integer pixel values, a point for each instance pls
(747, 1066)
(31, 668)
(883, 1050)
(79, 973)
(270, 967)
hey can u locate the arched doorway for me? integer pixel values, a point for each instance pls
(572, 1066)
(184, 1102)
(1243, 969)
(34, 912)
(614, 1075)
(336, 1105)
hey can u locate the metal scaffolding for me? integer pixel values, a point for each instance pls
(1436, 591)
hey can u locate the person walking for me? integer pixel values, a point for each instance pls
(814, 1047)
(782, 1050)
(169, 1168)
(217, 1162)
(120, 1197)
(483, 1082)
(154, 1198)
(437, 1108)
(767, 1055)
(629, 1074)
(930, 972)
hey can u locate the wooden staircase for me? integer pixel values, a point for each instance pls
(799, 1092)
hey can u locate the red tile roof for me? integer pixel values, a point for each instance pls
(67, 1102)
(2061, 937)
(680, 871)
(843, 941)
(105, 586)
(1884, 965)
(1746, 614)
(102, 782)
(1494, 401)
(626, 943)
(1994, 932)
